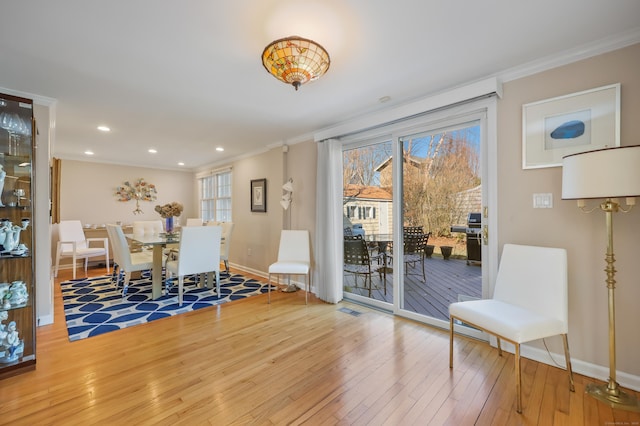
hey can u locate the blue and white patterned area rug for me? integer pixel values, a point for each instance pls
(94, 306)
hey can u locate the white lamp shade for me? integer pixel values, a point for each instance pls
(604, 173)
(288, 186)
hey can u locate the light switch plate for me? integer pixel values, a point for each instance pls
(543, 201)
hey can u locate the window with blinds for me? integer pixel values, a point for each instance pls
(215, 197)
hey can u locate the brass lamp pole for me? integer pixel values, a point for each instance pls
(606, 173)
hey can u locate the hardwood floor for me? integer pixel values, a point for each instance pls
(248, 362)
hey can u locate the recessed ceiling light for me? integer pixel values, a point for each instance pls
(88, 152)
(219, 149)
(181, 164)
(153, 151)
(104, 129)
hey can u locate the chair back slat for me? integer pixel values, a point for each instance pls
(147, 227)
(294, 246)
(71, 230)
(199, 250)
(415, 243)
(534, 278)
(355, 251)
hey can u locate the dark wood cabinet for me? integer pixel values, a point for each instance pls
(17, 250)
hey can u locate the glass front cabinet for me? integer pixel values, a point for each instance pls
(17, 263)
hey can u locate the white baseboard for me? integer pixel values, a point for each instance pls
(297, 283)
(588, 369)
(45, 320)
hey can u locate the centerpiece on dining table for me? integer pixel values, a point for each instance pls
(168, 212)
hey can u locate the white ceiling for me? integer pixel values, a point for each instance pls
(185, 77)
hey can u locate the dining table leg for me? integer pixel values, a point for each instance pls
(156, 279)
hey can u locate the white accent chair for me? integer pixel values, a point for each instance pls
(198, 253)
(194, 221)
(530, 302)
(73, 243)
(294, 258)
(225, 244)
(127, 261)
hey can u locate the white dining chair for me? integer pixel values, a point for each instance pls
(530, 302)
(225, 243)
(127, 261)
(294, 258)
(198, 253)
(73, 243)
(147, 227)
(194, 221)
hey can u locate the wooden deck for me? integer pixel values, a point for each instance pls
(446, 280)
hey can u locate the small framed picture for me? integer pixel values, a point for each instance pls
(259, 195)
(570, 124)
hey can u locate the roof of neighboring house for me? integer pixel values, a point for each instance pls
(411, 159)
(367, 192)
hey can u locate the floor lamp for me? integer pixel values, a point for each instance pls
(285, 202)
(606, 174)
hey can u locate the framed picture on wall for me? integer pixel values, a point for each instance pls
(569, 124)
(259, 195)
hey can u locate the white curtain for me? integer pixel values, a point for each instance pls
(328, 268)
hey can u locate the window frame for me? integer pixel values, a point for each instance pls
(215, 196)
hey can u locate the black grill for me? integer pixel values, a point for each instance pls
(473, 233)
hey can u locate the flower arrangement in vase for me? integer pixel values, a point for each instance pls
(168, 212)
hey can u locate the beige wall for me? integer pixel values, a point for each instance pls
(254, 245)
(564, 225)
(88, 192)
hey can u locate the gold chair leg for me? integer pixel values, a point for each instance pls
(450, 341)
(567, 358)
(518, 381)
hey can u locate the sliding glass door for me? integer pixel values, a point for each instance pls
(441, 191)
(367, 216)
(419, 198)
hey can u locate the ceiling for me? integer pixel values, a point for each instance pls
(185, 77)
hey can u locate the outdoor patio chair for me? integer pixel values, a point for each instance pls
(530, 302)
(415, 230)
(415, 251)
(359, 261)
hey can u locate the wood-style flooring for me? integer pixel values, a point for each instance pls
(247, 362)
(444, 282)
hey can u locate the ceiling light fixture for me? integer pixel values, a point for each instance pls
(153, 151)
(220, 149)
(104, 129)
(295, 60)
